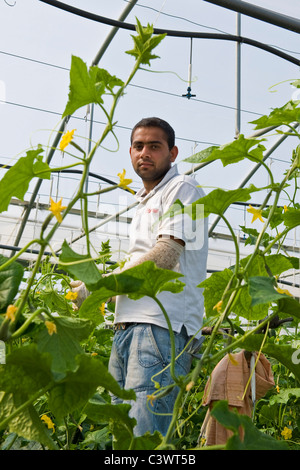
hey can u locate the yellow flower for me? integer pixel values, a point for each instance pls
(48, 421)
(218, 306)
(66, 139)
(189, 385)
(124, 182)
(277, 388)
(151, 398)
(286, 433)
(56, 208)
(233, 361)
(10, 312)
(71, 295)
(51, 327)
(283, 291)
(256, 214)
(285, 208)
(102, 308)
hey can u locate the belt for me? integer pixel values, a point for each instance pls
(123, 326)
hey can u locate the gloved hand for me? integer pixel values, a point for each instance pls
(82, 293)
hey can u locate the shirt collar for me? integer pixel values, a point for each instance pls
(141, 194)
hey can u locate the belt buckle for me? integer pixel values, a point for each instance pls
(120, 326)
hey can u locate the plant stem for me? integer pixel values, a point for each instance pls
(237, 251)
(25, 325)
(25, 294)
(242, 338)
(16, 256)
(172, 339)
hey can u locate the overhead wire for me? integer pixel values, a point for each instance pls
(204, 26)
(212, 103)
(172, 33)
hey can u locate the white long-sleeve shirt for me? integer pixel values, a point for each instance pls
(184, 308)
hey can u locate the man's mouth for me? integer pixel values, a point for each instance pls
(145, 164)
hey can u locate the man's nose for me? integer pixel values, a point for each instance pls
(144, 153)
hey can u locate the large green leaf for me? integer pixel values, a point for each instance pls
(262, 291)
(155, 279)
(64, 345)
(16, 180)
(79, 267)
(278, 263)
(117, 416)
(244, 308)
(121, 425)
(284, 395)
(28, 367)
(291, 217)
(232, 152)
(283, 353)
(253, 439)
(87, 85)
(214, 287)
(29, 371)
(27, 422)
(10, 279)
(289, 306)
(108, 286)
(25, 373)
(287, 114)
(79, 386)
(144, 279)
(216, 202)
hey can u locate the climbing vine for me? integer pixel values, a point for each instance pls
(54, 382)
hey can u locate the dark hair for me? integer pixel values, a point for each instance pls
(157, 122)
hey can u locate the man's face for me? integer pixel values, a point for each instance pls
(150, 155)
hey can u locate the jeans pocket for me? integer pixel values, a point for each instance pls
(149, 354)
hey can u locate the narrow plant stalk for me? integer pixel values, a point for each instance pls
(17, 255)
(172, 339)
(238, 342)
(25, 294)
(26, 324)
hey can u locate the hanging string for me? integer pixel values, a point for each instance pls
(188, 95)
(163, 5)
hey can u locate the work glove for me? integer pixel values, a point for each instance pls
(82, 293)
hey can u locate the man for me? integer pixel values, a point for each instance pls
(141, 347)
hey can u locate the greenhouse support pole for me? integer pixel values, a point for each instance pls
(99, 55)
(238, 78)
(259, 13)
(96, 60)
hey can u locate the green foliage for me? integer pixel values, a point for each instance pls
(287, 114)
(56, 362)
(88, 86)
(253, 438)
(64, 344)
(233, 152)
(16, 180)
(144, 43)
(10, 279)
(80, 267)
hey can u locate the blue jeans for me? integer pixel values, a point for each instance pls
(138, 354)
